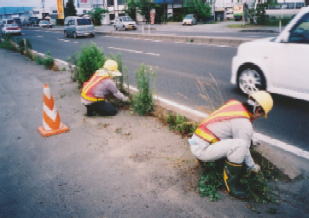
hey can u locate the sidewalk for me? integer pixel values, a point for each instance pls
(123, 166)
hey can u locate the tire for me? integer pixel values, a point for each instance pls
(66, 34)
(250, 78)
(74, 35)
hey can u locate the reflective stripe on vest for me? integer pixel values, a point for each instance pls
(232, 109)
(89, 86)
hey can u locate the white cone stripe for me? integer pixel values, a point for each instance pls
(46, 92)
(52, 114)
(46, 126)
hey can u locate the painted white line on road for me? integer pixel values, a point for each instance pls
(39, 36)
(153, 54)
(64, 40)
(157, 40)
(260, 137)
(287, 147)
(134, 51)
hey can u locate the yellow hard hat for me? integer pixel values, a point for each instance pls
(110, 68)
(264, 99)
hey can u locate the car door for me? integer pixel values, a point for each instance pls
(291, 61)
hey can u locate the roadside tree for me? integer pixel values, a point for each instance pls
(96, 15)
(69, 9)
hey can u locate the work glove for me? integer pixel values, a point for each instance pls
(256, 168)
(125, 99)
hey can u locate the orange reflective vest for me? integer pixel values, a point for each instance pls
(89, 86)
(230, 110)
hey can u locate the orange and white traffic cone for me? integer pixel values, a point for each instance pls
(51, 119)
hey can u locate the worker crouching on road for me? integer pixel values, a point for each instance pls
(227, 133)
(99, 87)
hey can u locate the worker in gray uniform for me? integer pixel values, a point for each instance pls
(227, 133)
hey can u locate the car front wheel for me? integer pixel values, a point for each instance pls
(250, 79)
(75, 35)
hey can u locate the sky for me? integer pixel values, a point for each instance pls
(27, 3)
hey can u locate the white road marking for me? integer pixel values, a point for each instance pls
(64, 40)
(134, 51)
(39, 36)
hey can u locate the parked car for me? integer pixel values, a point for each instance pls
(45, 23)
(279, 65)
(124, 23)
(78, 26)
(189, 19)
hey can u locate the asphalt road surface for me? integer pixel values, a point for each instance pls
(192, 74)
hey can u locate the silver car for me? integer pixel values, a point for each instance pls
(78, 26)
(189, 19)
(124, 23)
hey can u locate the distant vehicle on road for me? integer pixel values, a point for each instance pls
(9, 26)
(45, 23)
(33, 21)
(78, 26)
(124, 23)
(279, 65)
(10, 29)
(189, 19)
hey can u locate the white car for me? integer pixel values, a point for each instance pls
(124, 23)
(279, 65)
(45, 23)
(189, 19)
(8, 29)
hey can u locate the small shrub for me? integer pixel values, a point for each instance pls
(257, 185)
(88, 61)
(47, 61)
(211, 179)
(6, 43)
(142, 102)
(180, 124)
(39, 60)
(23, 45)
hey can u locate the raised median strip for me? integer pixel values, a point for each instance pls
(230, 41)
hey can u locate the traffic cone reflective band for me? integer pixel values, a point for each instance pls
(51, 119)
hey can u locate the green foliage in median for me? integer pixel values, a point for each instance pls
(180, 124)
(142, 101)
(258, 185)
(7, 44)
(88, 61)
(47, 61)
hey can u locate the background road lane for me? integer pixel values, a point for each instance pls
(178, 67)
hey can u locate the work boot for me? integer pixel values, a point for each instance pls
(90, 111)
(231, 175)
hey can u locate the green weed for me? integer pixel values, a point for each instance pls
(90, 59)
(180, 124)
(47, 61)
(7, 44)
(142, 101)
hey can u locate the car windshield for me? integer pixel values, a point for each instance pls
(83, 22)
(126, 19)
(189, 16)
